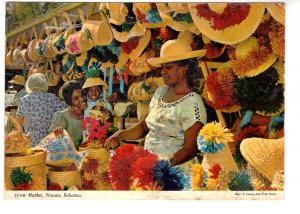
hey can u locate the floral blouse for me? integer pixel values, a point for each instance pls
(37, 109)
(168, 121)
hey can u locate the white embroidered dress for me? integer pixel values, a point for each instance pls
(168, 121)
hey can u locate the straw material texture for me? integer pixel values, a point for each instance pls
(65, 178)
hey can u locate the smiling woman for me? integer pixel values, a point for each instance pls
(70, 118)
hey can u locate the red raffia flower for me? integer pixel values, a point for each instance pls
(215, 171)
(121, 165)
(130, 45)
(233, 14)
(142, 171)
(88, 184)
(251, 131)
(141, 17)
(212, 51)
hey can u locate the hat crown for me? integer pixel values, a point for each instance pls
(18, 79)
(117, 11)
(217, 7)
(175, 47)
(242, 50)
(143, 7)
(179, 7)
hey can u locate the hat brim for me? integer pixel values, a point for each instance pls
(143, 42)
(16, 82)
(156, 62)
(94, 81)
(137, 30)
(235, 33)
(277, 12)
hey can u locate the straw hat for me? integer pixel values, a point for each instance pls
(119, 13)
(93, 77)
(177, 16)
(175, 50)
(140, 65)
(8, 58)
(32, 52)
(277, 11)
(16, 54)
(48, 47)
(245, 62)
(83, 60)
(215, 20)
(59, 41)
(24, 55)
(68, 62)
(148, 15)
(18, 79)
(142, 44)
(278, 180)
(79, 42)
(265, 155)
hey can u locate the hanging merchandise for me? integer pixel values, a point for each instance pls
(82, 61)
(123, 22)
(227, 23)
(177, 16)
(140, 65)
(277, 11)
(148, 15)
(32, 51)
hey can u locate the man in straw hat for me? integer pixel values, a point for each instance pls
(176, 113)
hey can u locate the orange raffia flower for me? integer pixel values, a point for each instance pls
(256, 57)
(197, 176)
(277, 41)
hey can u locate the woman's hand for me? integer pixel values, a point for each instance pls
(113, 141)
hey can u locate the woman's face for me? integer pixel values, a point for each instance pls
(93, 93)
(172, 73)
(78, 100)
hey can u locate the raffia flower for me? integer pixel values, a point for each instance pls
(277, 39)
(215, 133)
(197, 176)
(223, 180)
(211, 184)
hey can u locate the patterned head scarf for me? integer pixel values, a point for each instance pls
(37, 83)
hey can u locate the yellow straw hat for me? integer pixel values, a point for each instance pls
(277, 11)
(148, 15)
(8, 57)
(142, 44)
(251, 58)
(93, 77)
(59, 41)
(18, 79)
(227, 23)
(175, 50)
(32, 52)
(140, 65)
(137, 30)
(79, 42)
(177, 16)
(117, 12)
(265, 155)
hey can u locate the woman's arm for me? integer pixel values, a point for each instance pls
(134, 132)
(189, 149)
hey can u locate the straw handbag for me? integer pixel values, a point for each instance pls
(32, 164)
(64, 177)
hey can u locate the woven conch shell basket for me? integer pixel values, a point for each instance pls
(223, 158)
(33, 161)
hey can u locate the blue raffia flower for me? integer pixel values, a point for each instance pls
(240, 181)
(114, 47)
(153, 16)
(276, 123)
(208, 147)
(170, 178)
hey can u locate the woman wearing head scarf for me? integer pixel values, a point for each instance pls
(176, 113)
(70, 118)
(36, 109)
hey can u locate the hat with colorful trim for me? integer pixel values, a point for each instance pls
(92, 77)
(59, 42)
(123, 22)
(251, 58)
(175, 50)
(227, 23)
(277, 11)
(148, 15)
(68, 62)
(177, 16)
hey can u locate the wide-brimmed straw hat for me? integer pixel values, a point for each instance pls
(59, 42)
(68, 62)
(277, 11)
(148, 15)
(93, 77)
(18, 79)
(227, 23)
(79, 42)
(177, 16)
(122, 29)
(140, 65)
(32, 51)
(175, 50)
(24, 55)
(265, 155)
(83, 61)
(251, 58)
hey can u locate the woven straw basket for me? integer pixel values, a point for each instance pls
(223, 158)
(34, 163)
(64, 178)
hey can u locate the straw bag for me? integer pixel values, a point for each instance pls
(51, 75)
(99, 29)
(26, 171)
(16, 141)
(65, 177)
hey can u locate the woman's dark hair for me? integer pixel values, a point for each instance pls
(193, 72)
(68, 89)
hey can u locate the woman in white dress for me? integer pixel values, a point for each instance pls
(176, 113)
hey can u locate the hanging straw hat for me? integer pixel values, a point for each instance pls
(68, 62)
(32, 52)
(277, 39)
(18, 79)
(177, 16)
(140, 65)
(59, 42)
(93, 77)
(119, 14)
(148, 15)
(8, 57)
(265, 155)
(175, 50)
(83, 61)
(219, 22)
(277, 11)
(16, 55)
(48, 48)
(251, 58)
(79, 42)
(24, 55)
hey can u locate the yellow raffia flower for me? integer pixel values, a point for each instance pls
(197, 176)
(211, 184)
(215, 133)
(223, 180)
